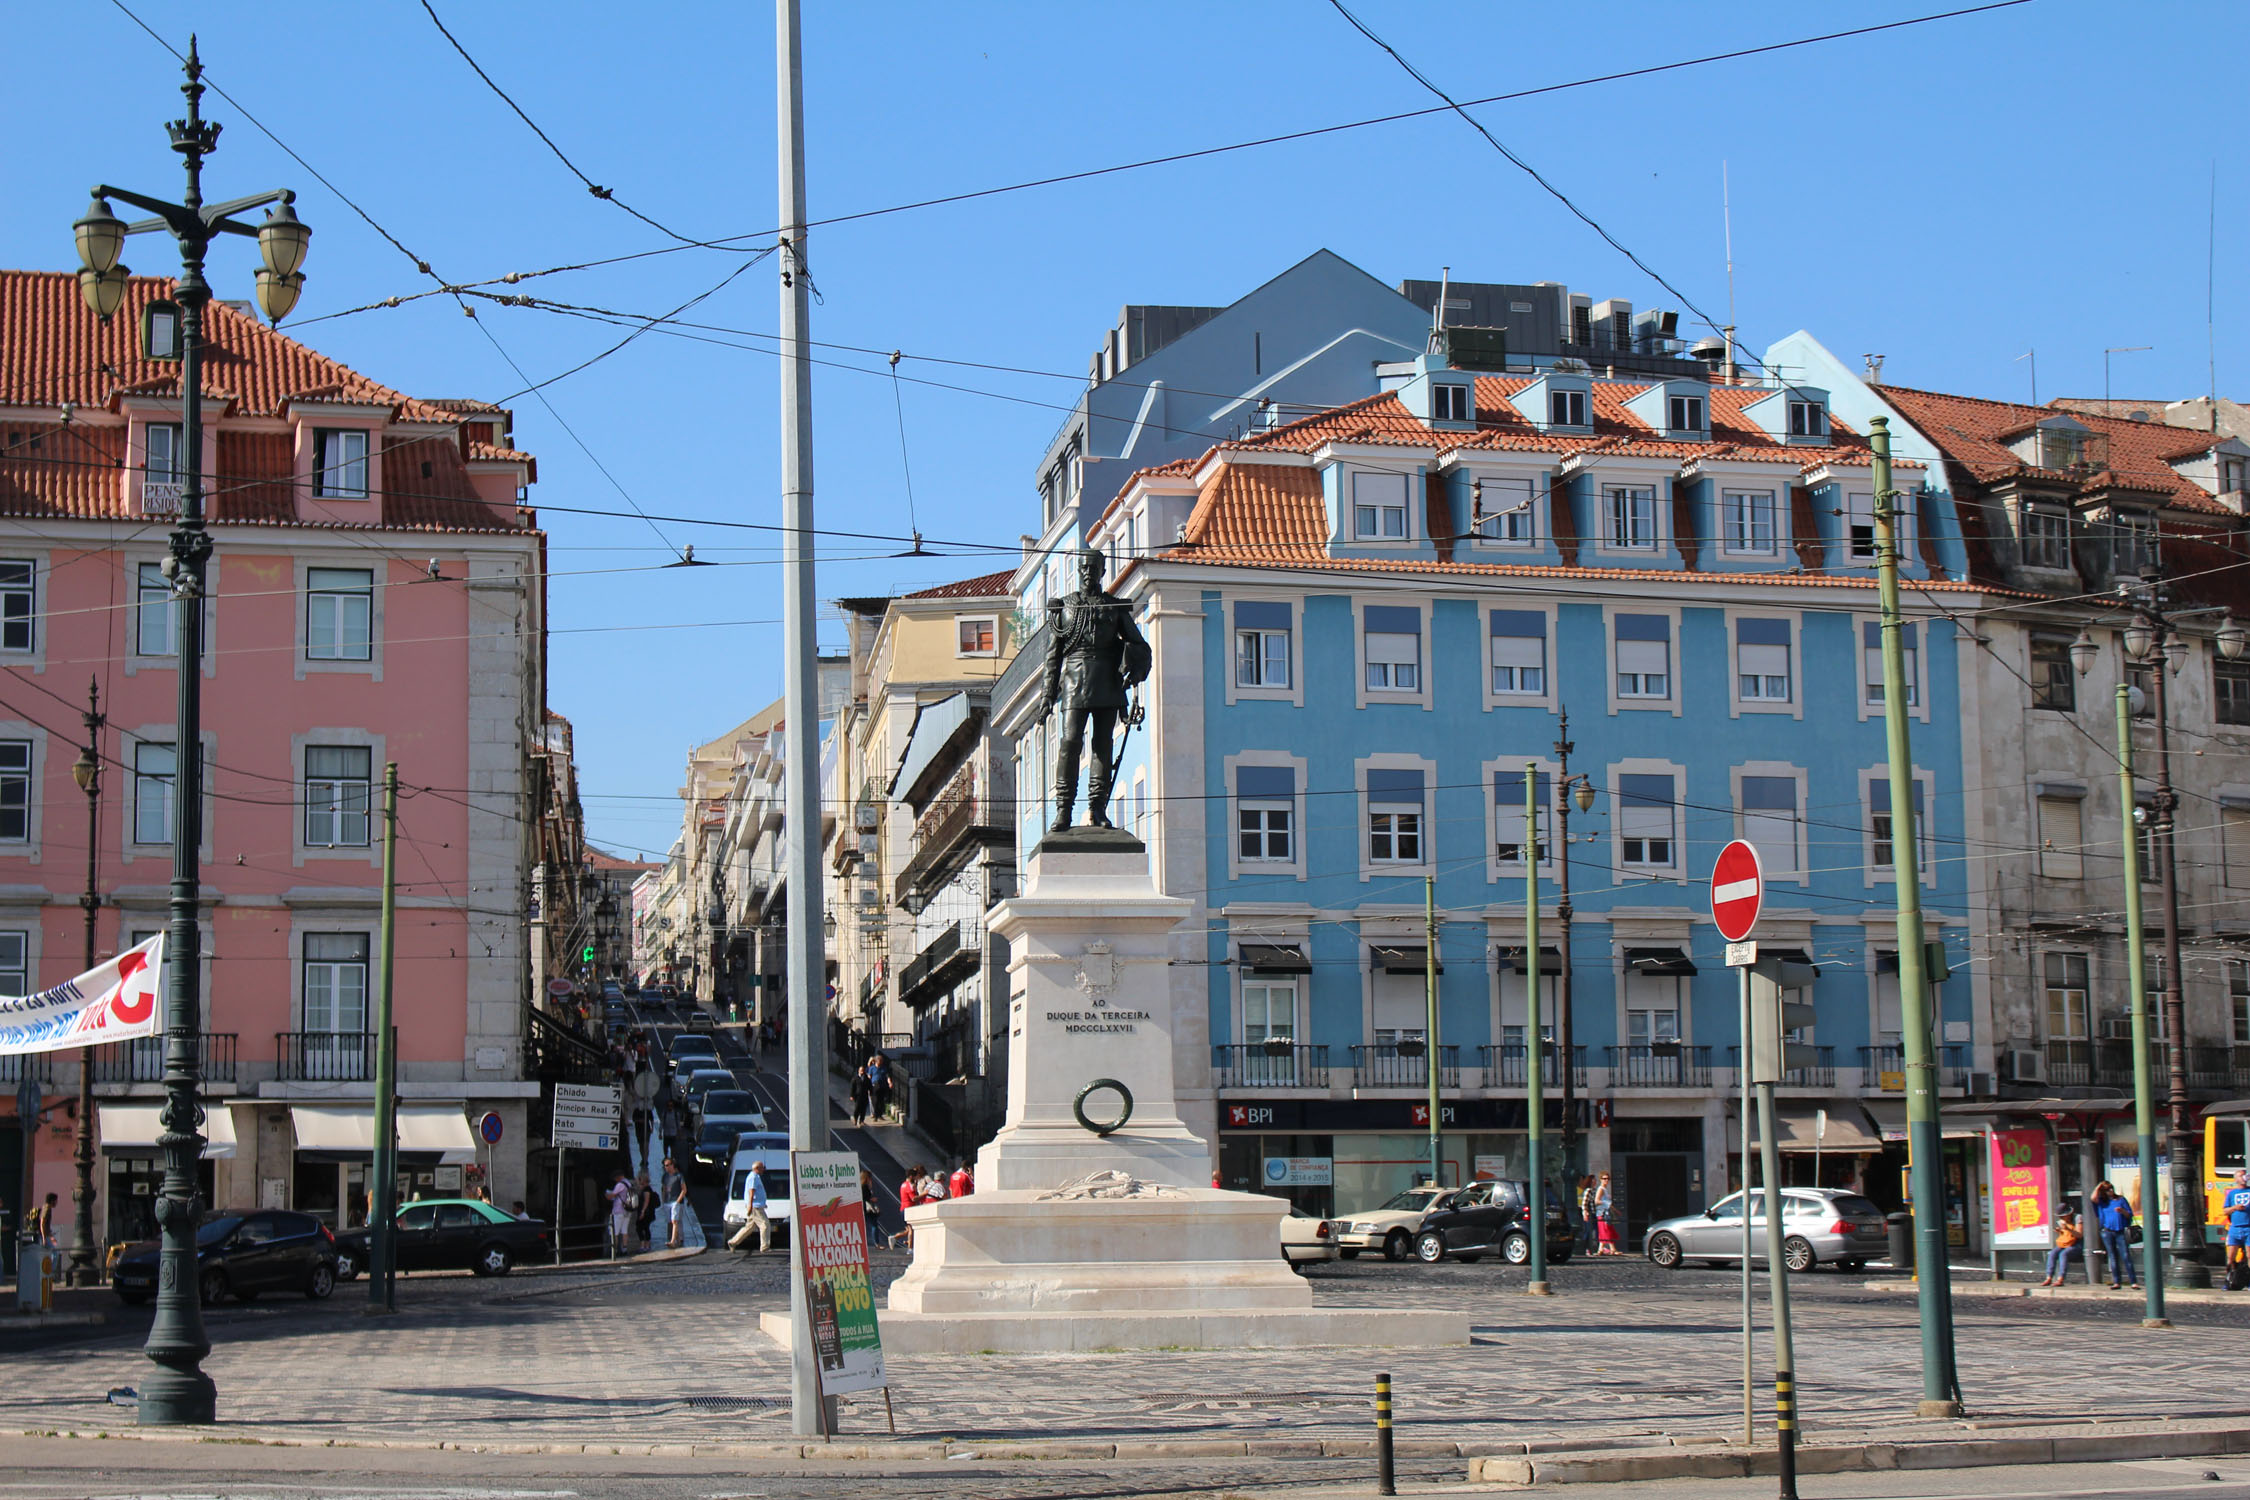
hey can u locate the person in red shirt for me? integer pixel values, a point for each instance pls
(909, 1193)
(963, 1182)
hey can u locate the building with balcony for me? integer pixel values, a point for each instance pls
(376, 595)
(1367, 625)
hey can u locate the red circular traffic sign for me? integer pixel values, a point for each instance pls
(1737, 891)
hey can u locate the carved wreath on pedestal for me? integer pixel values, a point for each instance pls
(1111, 1184)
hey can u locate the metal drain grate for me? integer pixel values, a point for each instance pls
(732, 1403)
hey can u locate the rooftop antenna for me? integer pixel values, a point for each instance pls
(1437, 313)
(2210, 297)
(1726, 214)
(1874, 368)
(2106, 353)
(2033, 356)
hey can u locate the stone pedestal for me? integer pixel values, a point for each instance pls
(1039, 1258)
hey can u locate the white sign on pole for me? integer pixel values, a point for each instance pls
(586, 1116)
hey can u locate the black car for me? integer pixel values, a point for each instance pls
(453, 1234)
(1489, 1218)
(272, 1250)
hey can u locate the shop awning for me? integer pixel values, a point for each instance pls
(132, 1129)
(1550, 959)
(1846, 1131)
(1394, 959)
(1275, 958)
(1661, 962)
(428, 1134)
(1889, 1116)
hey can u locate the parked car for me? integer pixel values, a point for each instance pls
(1390, 1228)
(452, 1234)
(1305, 1239)
(1489, 1217)
(1821, 1226)
(242, 1255)
(772, 1149)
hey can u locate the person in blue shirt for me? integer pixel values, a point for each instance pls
(2113, 1213)
(2236, 1206)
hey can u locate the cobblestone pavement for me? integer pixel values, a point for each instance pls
(670, 1354)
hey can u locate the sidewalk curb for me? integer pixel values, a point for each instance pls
(1846, 1458)
(2129, 1297)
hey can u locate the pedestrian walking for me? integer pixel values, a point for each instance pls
(674, 1189)
(2236, 1206)
(1587, 1231)
(909, 1193)
(41, 1226)
(2113, 1212)
(2068, 1237)
(1605, 1217)
(964, 1181)
(871, 1202)
(879, 1085)
(861, 1090)
(757, 1226)
(620, 1197)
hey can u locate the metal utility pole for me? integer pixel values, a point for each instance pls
(1566, 1036)
(1941, 1381)
(382, 1209)
(2136, 965)
(1535, 1049)
(807, 971)
(1749, 1318)
(1430, 1028)
(178, 1392)
(87, 772)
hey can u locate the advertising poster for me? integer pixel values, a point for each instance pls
(1300, 1171)
(831, 1226)
(112, 1002)
(2019, 1189)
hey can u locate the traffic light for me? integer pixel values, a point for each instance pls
(587, 957)
(1773, 1016)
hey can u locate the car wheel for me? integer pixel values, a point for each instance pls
(1343, 1254)
(133, 1299)
(322, 1282)
(1396, 1246)
(493, 1260)
(1516, 1249)
(1664, 1250)
(213, 1286)
(1797, 1253)
(347, 1266)
(1429, 1249)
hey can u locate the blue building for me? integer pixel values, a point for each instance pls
(1367, 622)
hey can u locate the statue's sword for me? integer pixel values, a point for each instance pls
(1134, 714)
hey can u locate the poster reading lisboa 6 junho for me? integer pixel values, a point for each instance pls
(832, 1257)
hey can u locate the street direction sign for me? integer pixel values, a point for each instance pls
(590, 1093)
(586, 1140)
(586, 1116)
(1737, 891)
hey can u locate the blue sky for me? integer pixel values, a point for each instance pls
(1949, 195)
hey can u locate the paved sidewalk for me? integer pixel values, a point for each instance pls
(668, 1354)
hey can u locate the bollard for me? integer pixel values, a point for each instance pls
(1386, 1481)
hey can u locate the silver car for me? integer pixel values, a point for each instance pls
(1822, 1226)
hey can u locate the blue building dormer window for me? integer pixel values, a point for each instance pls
(1567, 408)
(1502, 511)
(1808, 418)
(1750, 523)
(1631, 517)
(1379, 508)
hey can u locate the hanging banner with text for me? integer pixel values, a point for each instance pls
(2019, 1189)
(831, 1228)
(112, 1002)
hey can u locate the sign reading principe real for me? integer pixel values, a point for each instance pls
(831, 1230)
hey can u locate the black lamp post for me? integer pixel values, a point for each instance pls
(87, 772)
(177, 1392)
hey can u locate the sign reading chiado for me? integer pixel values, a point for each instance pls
(831, 1232)
(112, 1002)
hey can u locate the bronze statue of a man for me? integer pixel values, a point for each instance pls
(1095, 657)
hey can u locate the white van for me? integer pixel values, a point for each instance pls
(772, 1148)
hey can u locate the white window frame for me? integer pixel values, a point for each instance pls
(2146, 536)
(2055, 527)
(1807, 419)
(147, 778)
(1364, 695)
(1363, 830)
(2084, 1005)
(1291, 692)
(1511, 515)
(344, 476)
(962, 624)
(19, 606)
(1378, 508)
(1924, 843)
(1676, 407)
(2059, 837)
(1568, 406)
(128, 846)
(1869, 669)
(378, 575)
(1799, 833)
(331, 796)
(1450, 402)
(335, 968)
(1494, 696)
(1268, 984)
(1619, 702)
(1777, 515)
(148, 581)
(1630, 495)
(23, 780)
(1613, 783)
(1237, 866)
(1511, 820)
(1792, 703)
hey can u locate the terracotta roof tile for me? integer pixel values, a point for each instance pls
(986, 586)
(1974, 433)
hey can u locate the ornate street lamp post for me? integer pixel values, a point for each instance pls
(177, 1391)
(87, 772)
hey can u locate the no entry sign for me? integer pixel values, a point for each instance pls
(1737, 891)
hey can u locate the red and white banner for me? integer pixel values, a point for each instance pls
(115, 1002)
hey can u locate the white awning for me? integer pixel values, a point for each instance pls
(132, 1129)
(428, 1131)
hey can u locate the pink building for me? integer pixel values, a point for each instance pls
(377, 593)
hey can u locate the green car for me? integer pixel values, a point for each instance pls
(451, 1234)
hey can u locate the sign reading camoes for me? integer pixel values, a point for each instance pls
(831, 1232)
